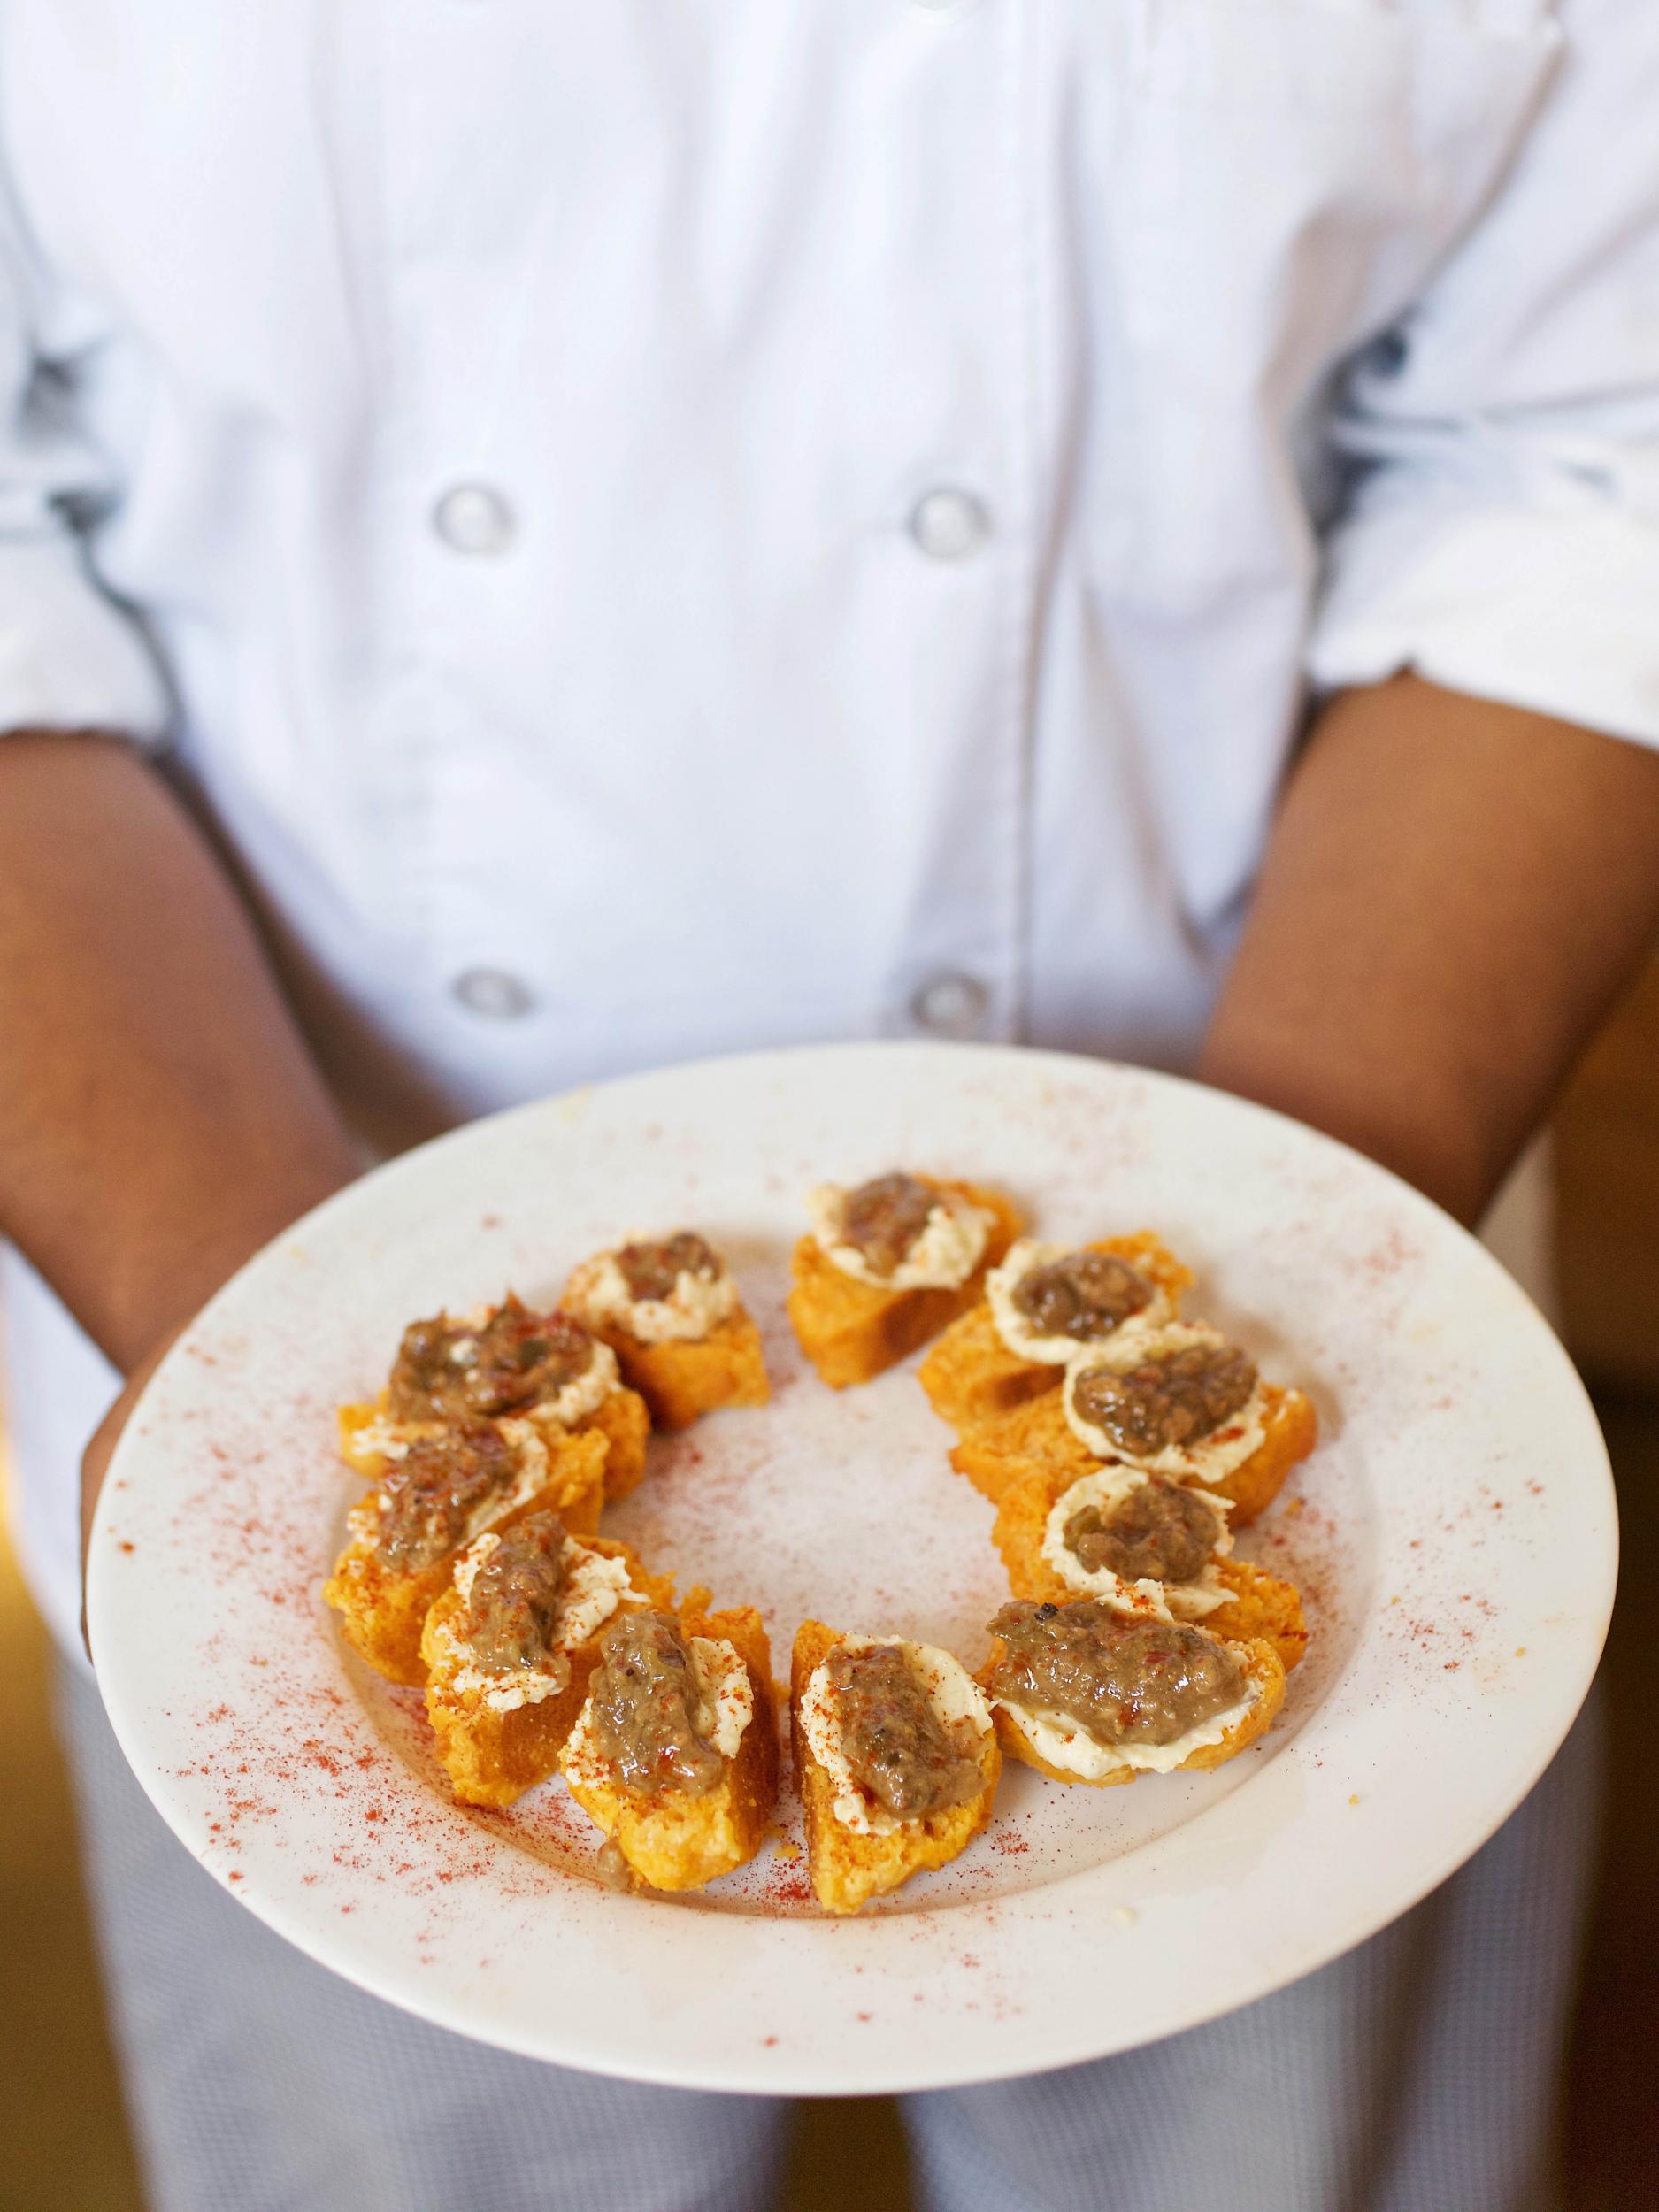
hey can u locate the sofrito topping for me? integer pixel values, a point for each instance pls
(513, 1607)
(513, 1358)
(432, 1494)
(894, 1744)
(649, 1719)
(1158, 1533)
(1123, 1680)
(1085, 1295)
(1176, 1400)
(883, 1218)
(652, 1271)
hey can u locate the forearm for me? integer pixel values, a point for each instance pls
(159, 1116)
(1453, 893)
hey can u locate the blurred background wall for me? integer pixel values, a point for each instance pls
(63, 2141)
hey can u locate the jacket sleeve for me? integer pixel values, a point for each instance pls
(1501, 530)
(70, 657)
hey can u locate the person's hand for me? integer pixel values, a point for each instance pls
(95, 1461)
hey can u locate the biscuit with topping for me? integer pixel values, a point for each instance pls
(895, 1757)
(1044, 1304)
(670, 1310)
(495, 1362)
(674, 1754)
(1130, 1540)
(510, 1646)
(437, 1492)
(1086, 1694)
(887, 1264)
(1182, 1402)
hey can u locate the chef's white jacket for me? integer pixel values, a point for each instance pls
(680, 524)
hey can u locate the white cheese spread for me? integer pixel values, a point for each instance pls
(593, 1588)
(953, 1693)
(1148, 1599)
(1064, 1742)
(943, 1257)
(728, 1695)
(1025, 1343)
(597, 1294)
(1212, 1459)
(383, 1438)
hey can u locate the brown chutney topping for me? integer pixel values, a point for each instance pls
(651, 1271)
(432, 1492)
(514, 1602)
(515, 1358)
(646, 1709)
(884, 1218)
(1159, 1533)
(1085, 1295)
(1176, 1398)
(1123, 1680)
(895, 1746)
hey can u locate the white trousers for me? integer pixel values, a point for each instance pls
(1419, 2074)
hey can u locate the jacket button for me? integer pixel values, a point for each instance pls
(494, 992)
(949, 526)
(474, 519)
(951, 1005)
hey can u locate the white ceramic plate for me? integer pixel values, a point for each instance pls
(1454, 1538)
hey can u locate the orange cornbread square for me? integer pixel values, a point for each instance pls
(1034, 1440)
(852, 1332)
(620, 1421)
(970, 1375)
(493, 1757)
(1262, 1665)
(677, 1842)
(847, 1869)
(1259, 1604)
(383, 1612)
